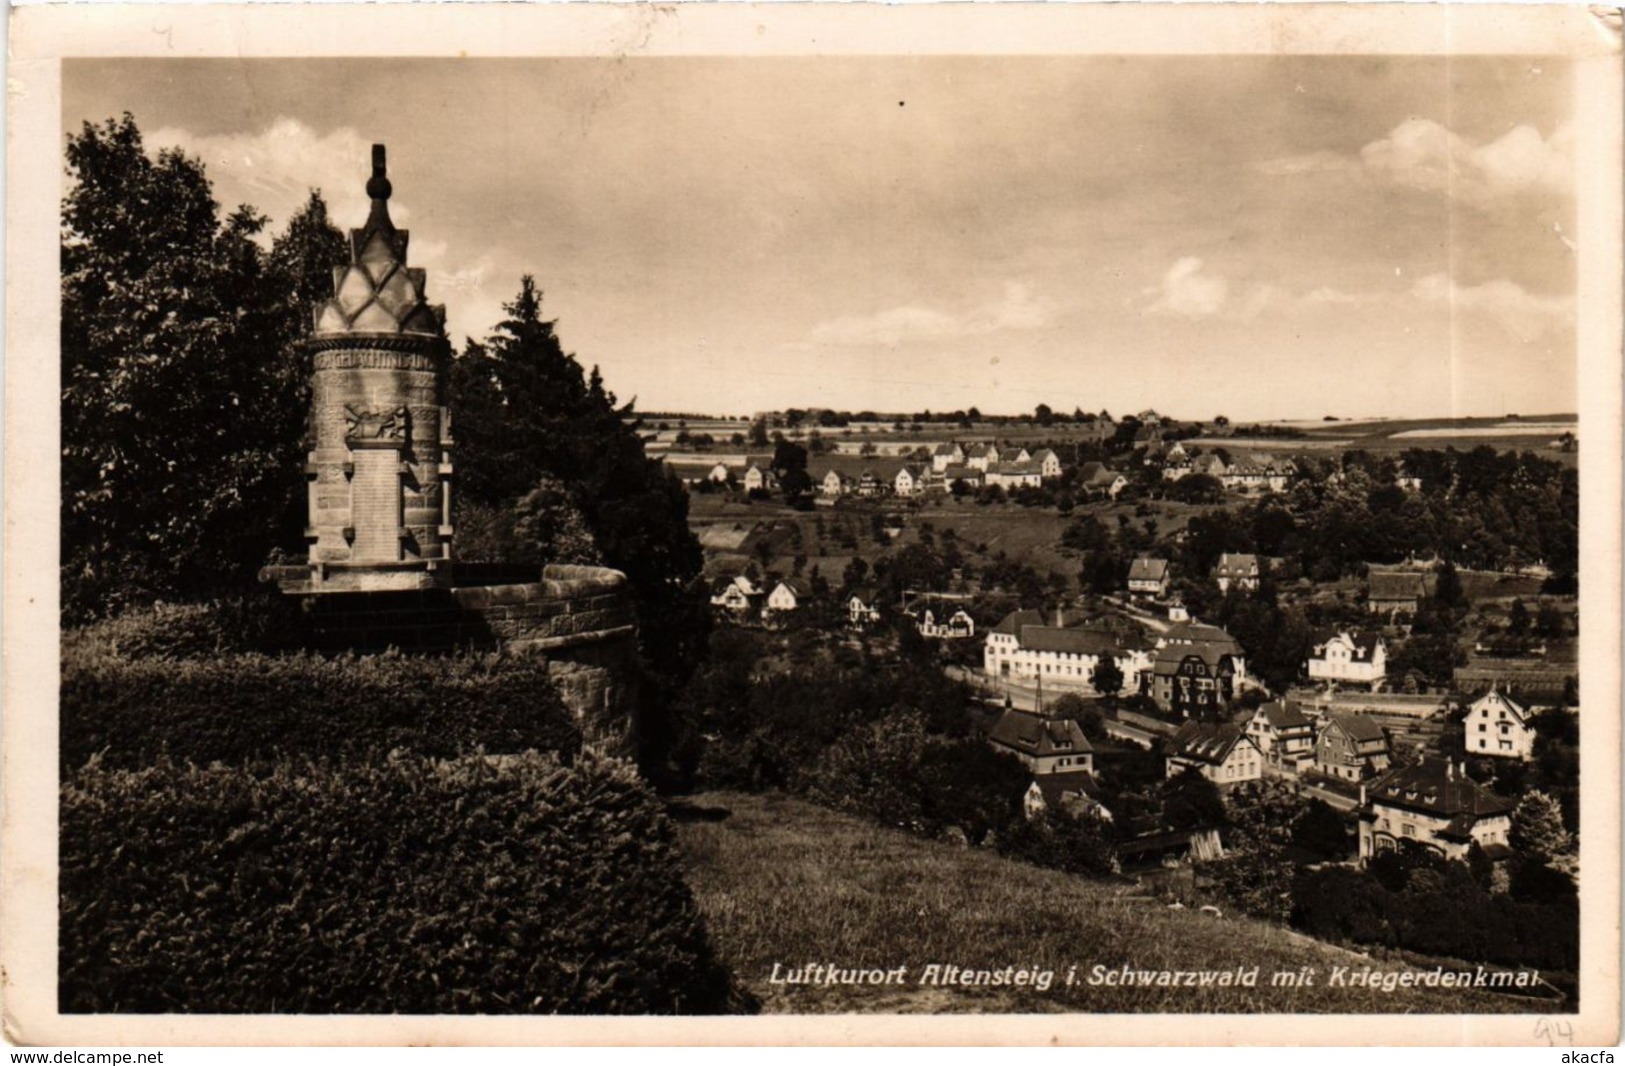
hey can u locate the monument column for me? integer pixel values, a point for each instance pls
(380, 515)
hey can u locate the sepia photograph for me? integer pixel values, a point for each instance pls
(659, 513)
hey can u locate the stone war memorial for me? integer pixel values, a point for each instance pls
(382, 570)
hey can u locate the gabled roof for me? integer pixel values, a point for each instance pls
(1035, 735)
(961, 473)
(1028, 467)
(1439, 788)
(797, 587)
(1096, 473)
(1238, 565)
(1056, 788)
(866, 593)
(1364, 644)
(1147, 569)
(1208, 464)
(1283, 715)
(1495, 697)
(1012, 623)
(1044, 453)
(1357, 727)
(976, 451)
(1067, 641)
(1209, 742)
(946, 449)
(1395, 585)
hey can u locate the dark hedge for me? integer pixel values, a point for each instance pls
(405, 885)
(250, 707)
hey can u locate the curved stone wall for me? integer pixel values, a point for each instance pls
(579, 618)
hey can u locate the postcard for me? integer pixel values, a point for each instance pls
(985, 523)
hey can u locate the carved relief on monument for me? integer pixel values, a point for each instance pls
(365, 426)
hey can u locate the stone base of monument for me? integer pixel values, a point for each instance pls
(578, 618)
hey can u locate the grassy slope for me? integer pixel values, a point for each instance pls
(784, 881)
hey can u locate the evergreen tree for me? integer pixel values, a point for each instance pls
(526, 416)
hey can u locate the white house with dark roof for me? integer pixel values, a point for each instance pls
(862, 608)
(1016, 474)
(1049, 464)
(787, 595)
(1044, 745)
(1148, 576)
(909, 480)
(1499, 727)
(736, 596)
(1219, 751)
(946, 455)
(1074, 792)
(1023, 647)
(1241, 570)
(1435, 804)
(1348, 656)
(940, 621)
(759, 479)
(836, 483)
(981, 456)
(1283, 733)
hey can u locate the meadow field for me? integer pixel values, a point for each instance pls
(781, 881)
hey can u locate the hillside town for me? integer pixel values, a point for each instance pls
(1402, 702)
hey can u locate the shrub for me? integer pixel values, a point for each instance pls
(240, 708)
(406, 885)
(266, 622)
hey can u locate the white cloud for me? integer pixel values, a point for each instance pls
(1420, 153)
(275, 168)
(1188, 292)
(1524, 314)
(1017, 310)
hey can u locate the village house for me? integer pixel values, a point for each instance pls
(1348, 656)
(1198, 670)
(872, 484)
(1282, 732)
(981, 456)
(1257, 472)
(1015, 474)
(737, 596)
(1435, 804)
(836, 483)
(862, 608)
(1394, 592)
(786, 596)
(1219, 751)
(1498, 726)
(970, 475)
(1044, 745)
(946, 455)
(1098, 477)
(719, 474)
(910, 480)
(759, 479)
(1351, 747)
(1021, 646)
(1176, 463)
(1148, 576)
(1049, 464)
(1211, 465)
(1072, 792)
(934, 621)
(1243, 571)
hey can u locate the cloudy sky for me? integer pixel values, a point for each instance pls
(1260, 237)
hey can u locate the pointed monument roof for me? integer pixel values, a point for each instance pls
(377, 292)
